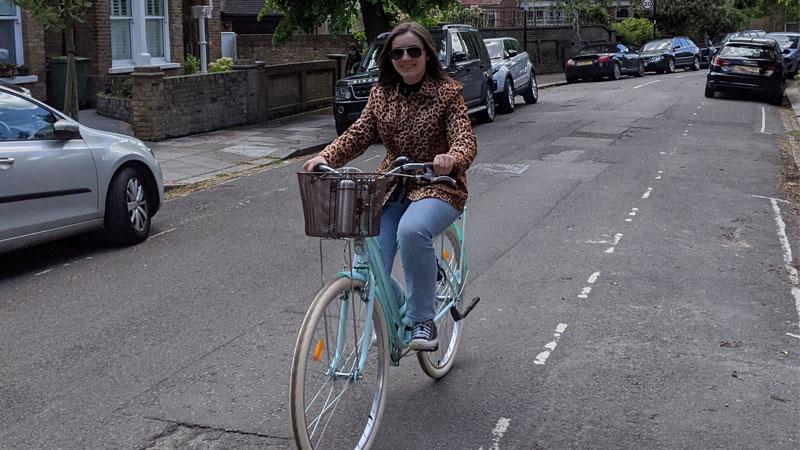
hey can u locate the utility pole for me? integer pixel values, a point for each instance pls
(525, 25)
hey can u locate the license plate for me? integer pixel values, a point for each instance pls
(584, 63)
(746, 69)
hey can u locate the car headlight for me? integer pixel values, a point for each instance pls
(656, 58)
(343, 93)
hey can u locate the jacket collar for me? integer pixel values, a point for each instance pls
(428, 89)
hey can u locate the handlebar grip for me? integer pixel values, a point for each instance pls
(319, 167)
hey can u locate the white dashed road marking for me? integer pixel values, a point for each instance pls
(645, 84)
(541, 358)
(162, 233)
(498, 432)
(647, 194)
(763, 119)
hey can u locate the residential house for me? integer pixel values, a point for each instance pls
(22, 50)
(509, 13)
(241, 17)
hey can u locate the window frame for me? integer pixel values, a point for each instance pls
(138, 22)
(19, 52)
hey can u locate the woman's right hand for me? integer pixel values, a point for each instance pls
(311, 163)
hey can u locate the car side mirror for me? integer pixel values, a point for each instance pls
(459, 56)
(512, 53)
(65, 129)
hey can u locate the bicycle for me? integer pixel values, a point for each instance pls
(348, 339)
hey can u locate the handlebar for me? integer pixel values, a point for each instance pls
(404, 167)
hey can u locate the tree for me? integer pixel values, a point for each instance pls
(694, 19)
(61, 15)
(378, 15)
(634, 31)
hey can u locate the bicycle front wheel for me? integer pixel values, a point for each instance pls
(437, 363)
(334, 404)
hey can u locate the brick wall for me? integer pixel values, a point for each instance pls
(302, 48)
(33, 48)
(550, 47)
(116, 107)
(164, 107)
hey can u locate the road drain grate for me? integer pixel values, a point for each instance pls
(493, 169)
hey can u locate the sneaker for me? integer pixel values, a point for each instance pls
(423, 338)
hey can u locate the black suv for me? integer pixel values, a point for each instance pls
(463, 56)
(666, 55)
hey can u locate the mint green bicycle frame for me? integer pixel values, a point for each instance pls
(369, 269)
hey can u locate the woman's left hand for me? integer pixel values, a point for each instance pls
(443, 164)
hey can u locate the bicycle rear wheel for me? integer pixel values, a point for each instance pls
(331, 406)
(437, 363)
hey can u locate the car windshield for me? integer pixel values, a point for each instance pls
(599, 48)
(785, 40)
(747, 51)
(495, 49)
(371, 60)
(721, 38)
(441, 45)
(663, 44)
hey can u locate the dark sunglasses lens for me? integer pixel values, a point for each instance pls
(396, 53)
(414, 52)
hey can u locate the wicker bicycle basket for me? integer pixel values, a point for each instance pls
(342, 205)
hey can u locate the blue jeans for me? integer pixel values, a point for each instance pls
(412, 226)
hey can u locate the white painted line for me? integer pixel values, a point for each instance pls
(595, 242)
(793, 335)
(660, 171)
(617, 237)
(694, 114)
(632, 213)
(771, 198)
(699, 107)
(43, 272)
(593, 278)
(370, 159)
(787, 253)
(662, 153)
(658, 177)
(610, 250)
(763, 120)
(685, 131)
(162, 233)
(585, 292)
(628, 220)
(498, 432)
(645, 84)
(647, 194)
(541, 358)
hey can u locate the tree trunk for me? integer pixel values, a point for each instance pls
(71, 88)
(576, 24)
(376, 21)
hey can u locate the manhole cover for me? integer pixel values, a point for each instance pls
(491, 168)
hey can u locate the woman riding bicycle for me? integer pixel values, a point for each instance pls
(418, 112)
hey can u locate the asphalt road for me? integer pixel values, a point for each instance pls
(624, 238)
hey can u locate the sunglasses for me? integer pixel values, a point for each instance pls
(413, 52)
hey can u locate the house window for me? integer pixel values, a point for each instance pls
(10, 33)
(139, 32)
(623, 13)
(489, 18)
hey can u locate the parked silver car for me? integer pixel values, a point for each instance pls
(512, 72)
(58, 177)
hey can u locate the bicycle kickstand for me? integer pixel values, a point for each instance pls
(458, 316)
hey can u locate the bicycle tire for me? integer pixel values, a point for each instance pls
(343, 427)
(437, 364)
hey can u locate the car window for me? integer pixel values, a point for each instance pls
(622, 48)
(456, 44)
(21, 119)
(785, 40)
(495, 49)
(441, 46)
(745, 51)
(470, 43)
(371, 61)
(598, 48)
(677, 42)
(690, 43)
(663, 44)
(515, 45)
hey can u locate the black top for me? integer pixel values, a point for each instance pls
(408, 89)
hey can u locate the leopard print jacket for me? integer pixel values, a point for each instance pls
(428, 122)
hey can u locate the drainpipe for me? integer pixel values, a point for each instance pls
(201, 13)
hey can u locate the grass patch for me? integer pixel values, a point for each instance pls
(186, 189)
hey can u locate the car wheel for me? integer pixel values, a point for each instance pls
(615, 73)
(531, 94)
(571, 80)
(127, 219)
(487, 115)
(696, 64)
(670, 65)
(506, 100)
(640, 71)
(709, 92)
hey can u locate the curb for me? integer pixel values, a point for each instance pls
(793, 94)
(554, 84)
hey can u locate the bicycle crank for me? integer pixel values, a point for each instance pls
(458, 316)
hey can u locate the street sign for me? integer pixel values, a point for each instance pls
(647, 4)
(202, 12)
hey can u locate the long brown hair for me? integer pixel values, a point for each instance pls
(433, 69)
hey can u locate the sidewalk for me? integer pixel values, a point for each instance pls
(222, 153)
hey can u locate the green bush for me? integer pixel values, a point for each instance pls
(223, 64)
(634, 31)
(191, 64)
